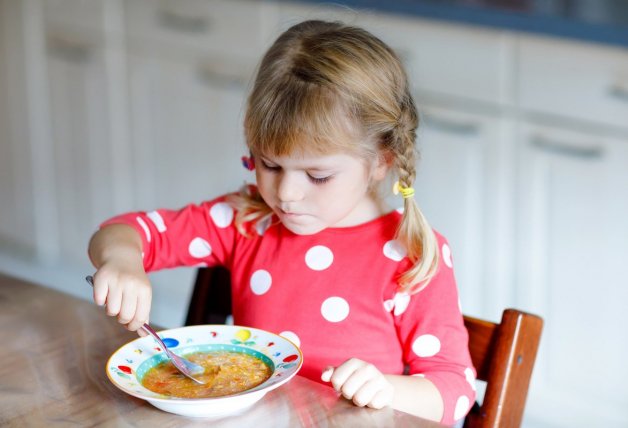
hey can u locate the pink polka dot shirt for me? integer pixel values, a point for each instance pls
(333, 293)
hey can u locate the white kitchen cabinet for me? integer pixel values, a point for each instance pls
(464, 188)
(187, 130)
(190, 67)
(588, 82)
(80, 135)
(572, 247)
(216, 28)
(443, 59)
(189, 72)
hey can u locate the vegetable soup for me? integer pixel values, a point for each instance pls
(226, 373)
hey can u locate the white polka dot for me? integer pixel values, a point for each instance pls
(260, 281)
(400, 210)
(335, 309)
(199, 248)
(262, 226)
(291, 336)
(418, 375)
(319, 257)
(394, 250)
(156, 218)
(389, 305)
(447, 255)
(402, 300)
(426, 345)
(462, 406)
(144, 226)
(222, 214)
(470, 377)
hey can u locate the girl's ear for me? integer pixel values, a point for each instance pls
(382, 165)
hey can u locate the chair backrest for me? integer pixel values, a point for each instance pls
(211, 297)
(503, 355)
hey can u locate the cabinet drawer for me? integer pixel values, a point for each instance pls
(443, 59)
(582, 81)
(209, 26)
(456, 60)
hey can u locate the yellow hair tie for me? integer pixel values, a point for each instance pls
(406, 192)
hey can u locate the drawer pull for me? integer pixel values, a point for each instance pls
(214, 77)
(76, 52)
(619, 92)
(560, 148)
(183, 24)
(463, 129)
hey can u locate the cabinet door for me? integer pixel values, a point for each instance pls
(80, 139)
(187, 130)
(463, 186)
(188, 139)
(572, 270)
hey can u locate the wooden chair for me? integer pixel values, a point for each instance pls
(503, 354)
(211, 297)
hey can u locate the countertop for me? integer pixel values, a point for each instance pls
(602, 21)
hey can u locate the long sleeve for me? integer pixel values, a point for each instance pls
(196, 235)
(434, 339)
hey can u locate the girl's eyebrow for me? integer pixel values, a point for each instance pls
(314, 167)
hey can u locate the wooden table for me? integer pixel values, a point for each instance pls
(53, 351)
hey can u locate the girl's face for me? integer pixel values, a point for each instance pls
(312, 193)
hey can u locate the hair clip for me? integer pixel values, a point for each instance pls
(248, 162)
(406, 192)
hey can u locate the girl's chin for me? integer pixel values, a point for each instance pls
(302, 229)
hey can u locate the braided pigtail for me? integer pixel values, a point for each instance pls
(250, 208)
(414, 232)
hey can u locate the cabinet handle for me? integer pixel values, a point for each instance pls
(560, 148)
(619, 92)
(215, 77)
(182, 23)
(73, 51)
(464, 129)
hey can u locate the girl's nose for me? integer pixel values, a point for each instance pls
(289, 189)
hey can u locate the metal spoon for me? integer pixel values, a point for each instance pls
(186, 367)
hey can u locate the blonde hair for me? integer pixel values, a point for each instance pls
(323, 80)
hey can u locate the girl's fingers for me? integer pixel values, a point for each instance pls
(327, 373)
(366, 393)
(114, 300)
(128, 308)
(382, 398)
(141, 313)
(362, 374)
(343, 372)
(100, 291)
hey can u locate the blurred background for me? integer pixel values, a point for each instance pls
(115, 105)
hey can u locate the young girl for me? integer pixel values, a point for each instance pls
(368, 294)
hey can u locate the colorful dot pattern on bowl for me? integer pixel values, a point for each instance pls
(127, 365)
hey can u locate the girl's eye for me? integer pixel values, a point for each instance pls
(319, 180)
(270, 167)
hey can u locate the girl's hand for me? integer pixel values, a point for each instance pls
(126, 291)
(360, 382)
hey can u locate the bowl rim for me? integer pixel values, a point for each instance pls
(190, 401)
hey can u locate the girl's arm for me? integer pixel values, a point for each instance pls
(120, 281)
(417, 396)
